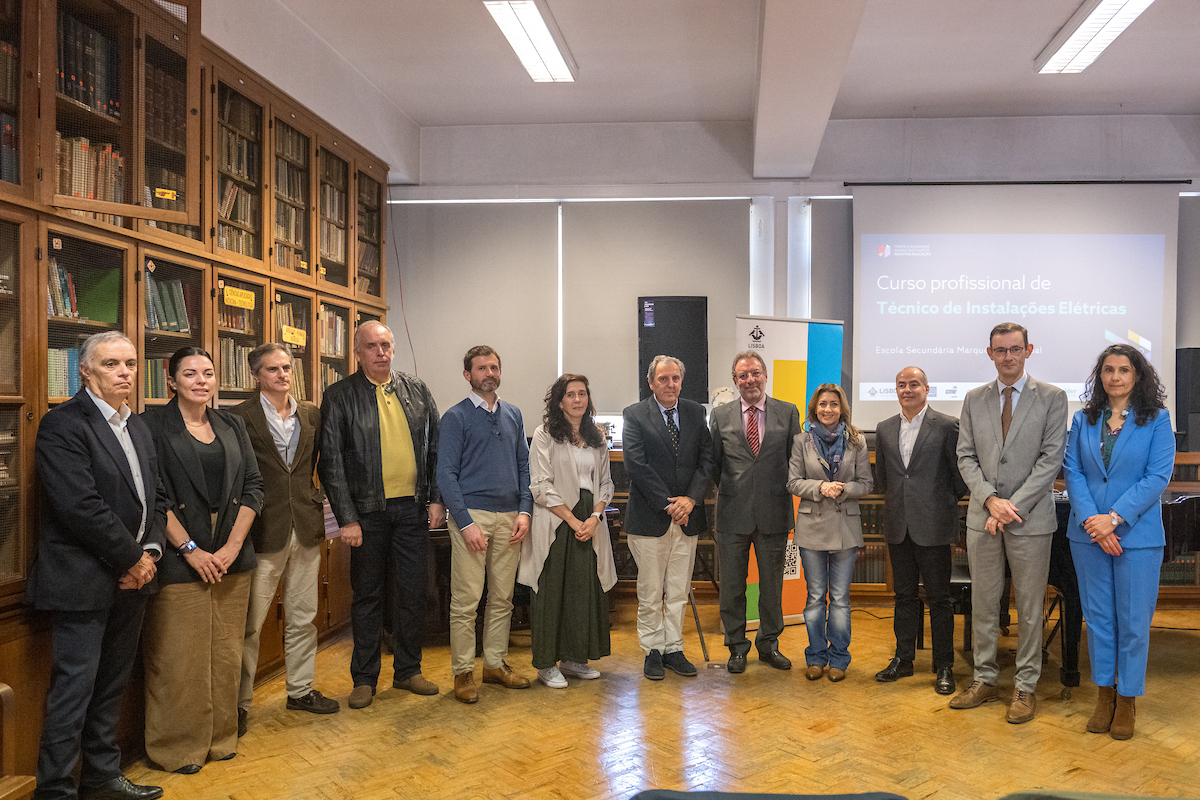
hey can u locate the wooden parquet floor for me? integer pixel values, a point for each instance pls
(763, 731)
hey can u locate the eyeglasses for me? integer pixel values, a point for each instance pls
(1008, 351)
(741, 377)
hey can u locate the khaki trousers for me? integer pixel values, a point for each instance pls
(664, 577)
(468, 570)
(299, 567)
(192, 652)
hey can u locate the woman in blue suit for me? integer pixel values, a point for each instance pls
(1120, 456)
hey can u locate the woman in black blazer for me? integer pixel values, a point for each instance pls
(192, 642)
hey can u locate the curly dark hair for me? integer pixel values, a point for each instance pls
(556, 421)
(1148, 395)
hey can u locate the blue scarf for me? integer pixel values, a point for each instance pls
(831, 447)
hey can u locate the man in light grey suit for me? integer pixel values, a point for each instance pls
(752, 444)
(1011, 440)
(916, 471)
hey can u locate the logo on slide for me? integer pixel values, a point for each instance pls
(1140, 342)
(757, 334)
(885, 250)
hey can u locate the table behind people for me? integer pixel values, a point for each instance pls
(100, 532)
(752, 444)
(668, 457)
(195, 626)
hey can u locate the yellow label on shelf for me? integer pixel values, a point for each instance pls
(296, 336)
(321, 270)
(304, 266)
(165, 194)
(239, 298)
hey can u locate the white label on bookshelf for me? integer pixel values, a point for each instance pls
(296, 336)
(56, 243)
(239, 298)
(150, 265)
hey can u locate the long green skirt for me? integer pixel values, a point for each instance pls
(569, 611)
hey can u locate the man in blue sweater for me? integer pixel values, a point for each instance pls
(483, 474)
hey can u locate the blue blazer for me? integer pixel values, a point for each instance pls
(1140, 469)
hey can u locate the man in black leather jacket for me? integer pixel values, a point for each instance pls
(378, 466)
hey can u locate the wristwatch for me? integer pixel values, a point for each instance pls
(598, 514)
(186, 547)
(1115, 517)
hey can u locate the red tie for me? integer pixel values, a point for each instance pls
(752, 429)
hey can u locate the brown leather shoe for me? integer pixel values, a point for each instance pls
(975, 695)
(505, 676)
(417, 684)
(1106, 705)
(1123, 717)
(464, 687)
(814, 672)
(836, 674)
(1023, 706)
(361, 696)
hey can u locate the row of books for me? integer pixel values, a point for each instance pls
(368, 225)
(240, 205)
(287, 257)
(97, 298)
(368, 259)
(235, 369)
(166, 307)
(291, 144)
(331, 331)
(92, 170)
(291, 182)
(88, 66)
(175, 182)
(368, 192)
(333, 241)
(233, 318)
(365, 285)
(155, 371)
(10, 74)
(10, 162)
(166, 108)
(239, 113)
(871, 566)
(334, 171)
(330, 375)
(333, 204)
(291, 225)
(299, 383)
(10, 348)
(62, 375)
(293, 317)
(237, 240)
(237, 155)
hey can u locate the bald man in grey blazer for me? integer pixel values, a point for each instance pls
(1012, 435)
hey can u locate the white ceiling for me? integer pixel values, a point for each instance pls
(444, 62)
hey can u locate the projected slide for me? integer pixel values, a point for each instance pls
(930, 301)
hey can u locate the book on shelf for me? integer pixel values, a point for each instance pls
(291, 144)
(291, 182)
(235, 369)
(330, 375)
(368, 259)
(10, 74)
(239, 113)
(236, 320)
(155, 370)
(299, 383)
(166, 108)
(166, 307)
(368, 192)
(91, 170)
(239, 204)
(10, 169)
(62, 371)
(88, 66)
(237, 240)
(237, 155)
(291, 224)
(333, 203)
(287, 257)
(333, 241)
(331, 330)
(368, 225)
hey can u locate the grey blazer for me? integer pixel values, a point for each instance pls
(752, 490)
(828, 523)
(922, 498)
(1020, 469)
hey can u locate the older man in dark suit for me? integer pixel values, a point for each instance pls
(916, 470)
(102, 528)
(752, 444)
(668, 456)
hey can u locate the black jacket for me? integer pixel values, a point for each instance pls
(351, 464)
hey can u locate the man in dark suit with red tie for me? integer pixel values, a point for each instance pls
(102, 527)
(916, 470)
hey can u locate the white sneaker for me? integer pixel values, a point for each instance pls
(552, 678)
(578, 670)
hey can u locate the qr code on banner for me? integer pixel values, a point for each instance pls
(791, 560)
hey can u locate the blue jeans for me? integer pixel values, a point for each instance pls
(828, 622)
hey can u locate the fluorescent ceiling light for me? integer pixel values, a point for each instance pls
(1091, 29)
(528, 27)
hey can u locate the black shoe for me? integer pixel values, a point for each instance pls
(243, 722)
(678, 663)
(188, 769)
(119, 788)
(737, 663)
(895, 670)
(945, 681)
(654, 666)
(315, 702)
(775, 658)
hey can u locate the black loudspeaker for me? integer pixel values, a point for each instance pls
(675, 326)
(1187, 396)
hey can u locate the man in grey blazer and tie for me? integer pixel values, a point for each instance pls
(916, 471)
(1011, 440)
(752, 444)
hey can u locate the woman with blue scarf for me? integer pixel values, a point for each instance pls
(829, 471)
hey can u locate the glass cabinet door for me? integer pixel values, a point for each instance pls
(293, 327)
(239, 330)
(12, 485)
(292, 176)
(238, 153)
(370, 236)
(11, 50)
(172, 317)
(333, 331)
(335, 182)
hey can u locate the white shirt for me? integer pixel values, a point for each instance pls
(481, 403)
(909, 432)
(119, 422)
(284, 430)
(584, 462)
(1018, 389)
(663, 410)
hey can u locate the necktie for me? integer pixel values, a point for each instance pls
(673, 429)
(752, 429)
(1006, 412)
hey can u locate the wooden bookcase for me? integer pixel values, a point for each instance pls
(18, 97)
(333, 342)
(293, 177)
(18, 390)
(294, 311)
(239, 300)
(239, 139)
(369, 230)
(334, 221)
(174, 309)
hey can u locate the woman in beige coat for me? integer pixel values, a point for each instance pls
(829, 471)
(568, 559)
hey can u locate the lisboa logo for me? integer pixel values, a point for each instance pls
(757, 334)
